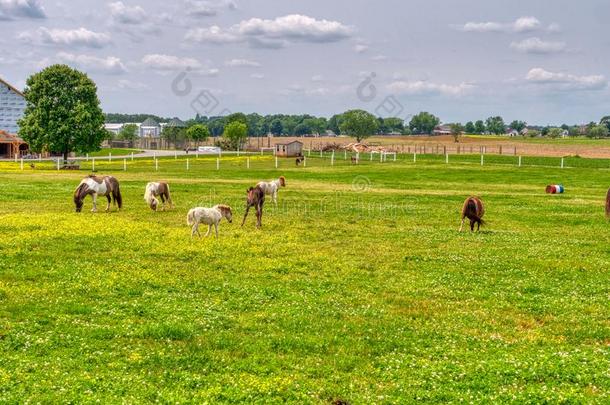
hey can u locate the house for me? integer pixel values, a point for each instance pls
(289, 149)
(12, 107)
(442, 130)
(512, 132)
(114, 128)
(150, 128)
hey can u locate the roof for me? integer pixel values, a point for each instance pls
(288, 143)
(176, 123)
(150, 122)
(5, 137)
(11, 87)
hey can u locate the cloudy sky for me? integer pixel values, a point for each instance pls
(543, 61)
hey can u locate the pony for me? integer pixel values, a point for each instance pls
(255, 198)
(354, 160)
(608, 204)
(474, 210)
(96, 185)
(271, 188)
(208, 216)
(154, 190)
(299, 160)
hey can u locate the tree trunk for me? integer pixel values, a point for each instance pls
(66, 157)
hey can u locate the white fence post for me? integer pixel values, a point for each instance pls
(93, 164)
(482, 159)
(332, 159)
(87, 157)
(248, 162)
(21, 163)
(132, 156)
(110, 156)
(156, 164)
(446, 158)
(519, 161)
(197, 155)
(414, 157)
(276, 162)
(175, 154)
(562, 163)
(125, 164)
(371, 156)
(304, 161)
(321, 152)
(217, 163)
(57, 163)
(345, 154)
(395, 156)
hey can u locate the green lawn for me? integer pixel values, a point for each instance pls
(358, 287)
(577, 140)
(114, 152)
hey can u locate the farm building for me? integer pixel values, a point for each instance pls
(442, 130)
(12, 107)
(289, 149)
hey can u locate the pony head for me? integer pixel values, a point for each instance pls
(282, 181)
(153, 204)
(79, 196)
(226, 212)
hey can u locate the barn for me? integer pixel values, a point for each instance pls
(12, 107)
(289, 149)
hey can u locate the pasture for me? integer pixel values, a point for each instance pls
(358, 286)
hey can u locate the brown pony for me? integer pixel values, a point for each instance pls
(92, 185)
(256, 198)
(608, 204)
(474, 210)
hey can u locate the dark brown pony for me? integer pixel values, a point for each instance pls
(474, 210)
(299, 160)
(256, 198)
(92, 185)
(608, 204)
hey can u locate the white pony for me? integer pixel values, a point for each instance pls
(154, 190)
(208, 216)
(271, 188)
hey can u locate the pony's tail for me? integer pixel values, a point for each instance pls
(118, 197)
(608, 204)
(190, 218)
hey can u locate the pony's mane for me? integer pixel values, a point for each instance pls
(282, 180)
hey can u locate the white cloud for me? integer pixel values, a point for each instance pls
(274, 33)
(168, 63)
(78, 37)
(125, 84)
(88, 63)
(207, 8)
(536, 45)
(525, 24)
(123, 14)
(317, 78)
(242, 63)
(522, 24)
(361, 48)
(421, 87)
(379, 58)
(11, 9)
(565, 81)
(257, 76)
(483, 27)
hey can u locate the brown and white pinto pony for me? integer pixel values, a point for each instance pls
(157, 189)
(474, 210)
(608, 204)
(256, 198)
(271, 188)
(208, 216)
(92, 185)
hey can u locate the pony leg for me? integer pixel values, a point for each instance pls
(108, 205)
(471, 225)
(94, 197)
(209, 229)
(193, 230)
(162, 202)
(245, 215)
(216, 229)
(259, 216)
(275, 197)
(462, 225)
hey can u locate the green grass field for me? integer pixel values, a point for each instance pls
(114, 152)
(358, 287)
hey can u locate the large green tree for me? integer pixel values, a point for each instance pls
(235, 133)
(598, 131)
(605, 121)
(423, 123)
(456, 131)
(518, 125)
(198, 133)
(479, 127)
(359, 124)
(129, 132)
(495, 125)
(62, 112)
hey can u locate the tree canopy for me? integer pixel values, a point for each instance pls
(423, 123)
(198, 133)
(495, 125)
(62, 112)
(359, 124)
(235, 133)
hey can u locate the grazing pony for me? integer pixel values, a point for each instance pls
(608, 204)
(271, 188)
(299, 160)
(154, 190)
(208, 216)
(474, 210)
(354, 160)
(256, 198)
(96, 185)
